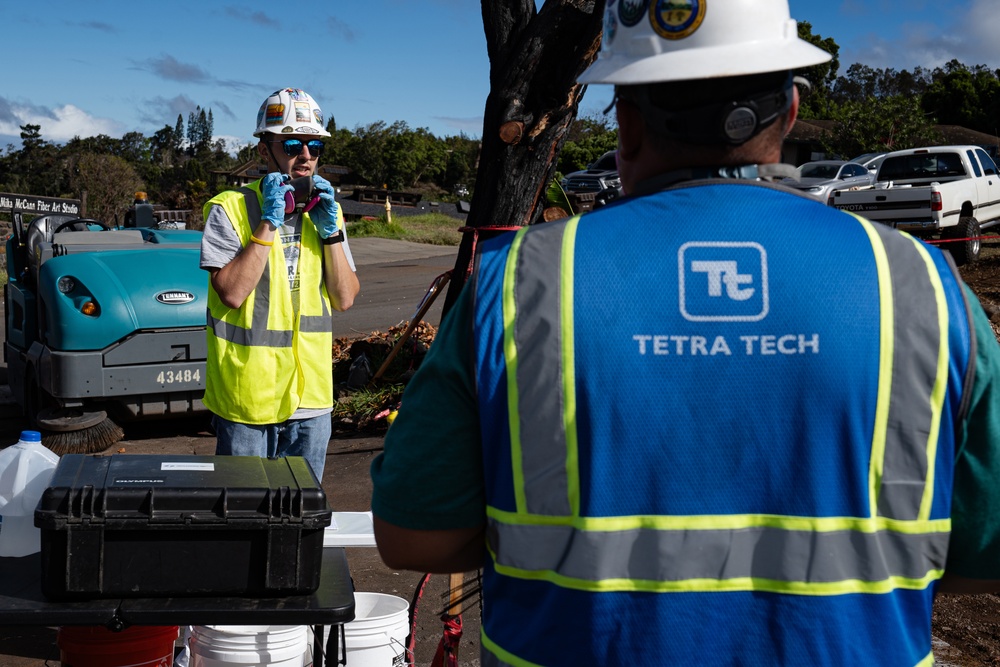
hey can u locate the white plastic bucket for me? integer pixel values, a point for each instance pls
(377, 635)
(263, 645)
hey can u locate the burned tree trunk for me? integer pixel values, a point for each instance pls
(535, 59)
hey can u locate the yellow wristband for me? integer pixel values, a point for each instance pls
(260, 242)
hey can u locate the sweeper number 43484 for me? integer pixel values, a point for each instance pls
(186, 375)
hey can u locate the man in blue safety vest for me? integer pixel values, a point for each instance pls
(713, 422)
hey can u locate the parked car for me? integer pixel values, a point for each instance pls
(597, 177)
(869, 161)
(820, 178)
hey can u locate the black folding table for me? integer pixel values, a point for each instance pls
(22, 603)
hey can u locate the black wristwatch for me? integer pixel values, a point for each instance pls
(334, 238)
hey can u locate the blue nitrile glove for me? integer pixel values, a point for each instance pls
(324, 214)
(274, 187)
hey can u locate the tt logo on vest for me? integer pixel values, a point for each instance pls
(722, 282)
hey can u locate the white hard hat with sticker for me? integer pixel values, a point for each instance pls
(650, 41)
(290, 111)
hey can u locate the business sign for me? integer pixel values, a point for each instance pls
(38, 205)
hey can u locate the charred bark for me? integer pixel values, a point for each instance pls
(535, 59)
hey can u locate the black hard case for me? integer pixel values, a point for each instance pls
(169, 526)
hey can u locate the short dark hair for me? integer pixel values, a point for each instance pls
(719, 111)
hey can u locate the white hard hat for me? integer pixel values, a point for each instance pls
(651, 41)
(290, 111)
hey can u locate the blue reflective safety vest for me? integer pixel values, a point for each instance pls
(719, 426)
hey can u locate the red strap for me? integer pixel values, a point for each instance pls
(447, 650)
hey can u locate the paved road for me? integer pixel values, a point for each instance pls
(394, 276)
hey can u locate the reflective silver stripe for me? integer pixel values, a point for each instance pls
(916, 349)
(756, 552)
(317, 323)
(253, 337)
(539, 370)
(253, 206)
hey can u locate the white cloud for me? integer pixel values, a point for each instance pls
(975, 39)
(59, 124)
(967, 34)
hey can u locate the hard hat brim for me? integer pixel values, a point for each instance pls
(704, 63)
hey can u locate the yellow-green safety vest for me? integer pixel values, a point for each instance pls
(264, 361)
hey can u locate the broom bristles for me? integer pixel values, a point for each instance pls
(90, 440)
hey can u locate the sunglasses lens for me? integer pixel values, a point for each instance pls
(293, 147)
(315, 147)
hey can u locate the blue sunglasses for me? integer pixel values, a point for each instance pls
(293, 147)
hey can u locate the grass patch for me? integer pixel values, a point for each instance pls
(430, 228)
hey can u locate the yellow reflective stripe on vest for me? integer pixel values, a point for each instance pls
(722, 553)
(529, 351)
(908, 422)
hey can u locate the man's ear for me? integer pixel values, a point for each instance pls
(631, 129)
(793, 111)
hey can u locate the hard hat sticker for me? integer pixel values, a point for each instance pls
(275, 114)
(302, 112)
(630, 12)
(676, 19)
(318, 115)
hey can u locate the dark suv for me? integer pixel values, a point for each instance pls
(599, 176)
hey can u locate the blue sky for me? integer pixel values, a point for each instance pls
(102, 66)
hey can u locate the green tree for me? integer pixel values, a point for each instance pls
(110, 183)
(817, 103)
(880, 125)
(463, 160)
(366, 152)
(37, 169)
(337, 146)
(412, 156)
(960, 95)
(164, 146)
(589, 138)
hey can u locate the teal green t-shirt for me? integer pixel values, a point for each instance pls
(430, 476)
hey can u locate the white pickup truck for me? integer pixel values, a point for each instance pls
(949, 192)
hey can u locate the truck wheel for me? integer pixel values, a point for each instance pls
(966, 249)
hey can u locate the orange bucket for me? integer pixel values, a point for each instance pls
(96, 646)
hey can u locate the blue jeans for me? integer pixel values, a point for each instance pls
(307, 438)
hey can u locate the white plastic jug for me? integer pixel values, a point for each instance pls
(25, 470)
